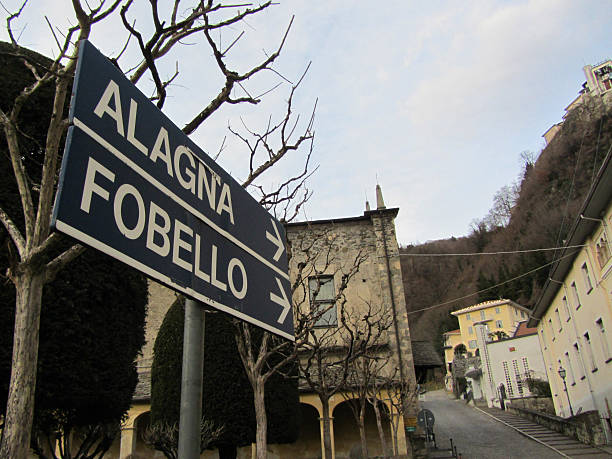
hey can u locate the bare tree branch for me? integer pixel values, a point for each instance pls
(10, 19)
(13, 232)
(55, 265)
(231, 77)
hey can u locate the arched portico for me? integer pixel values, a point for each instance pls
(129, 435)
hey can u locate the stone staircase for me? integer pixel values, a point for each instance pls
(562, 444)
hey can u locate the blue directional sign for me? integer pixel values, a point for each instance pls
(134, 186)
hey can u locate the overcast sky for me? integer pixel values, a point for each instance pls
(434, 100)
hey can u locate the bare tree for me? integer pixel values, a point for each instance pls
(402, 395)
(329, 348)
(34, 262)
(262, 359)
(361, 386)
(90, 442)
(164, 437)
(503, 203)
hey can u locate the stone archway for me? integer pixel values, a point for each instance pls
(347, 440)
(309, 439)
(141, 449)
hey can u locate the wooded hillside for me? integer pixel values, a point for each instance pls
(537, 212)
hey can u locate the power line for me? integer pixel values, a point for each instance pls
(488, 253)
(495, 286)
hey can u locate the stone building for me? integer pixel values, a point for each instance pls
(596, 92)
(332, 282)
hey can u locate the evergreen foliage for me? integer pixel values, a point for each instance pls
(227, 393)
(92, 329)
(92, 320)
(167, 366)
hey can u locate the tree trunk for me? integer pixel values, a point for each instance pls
(362, 432)
(261, 435)
(20, 404)
(327, 445)
(395, 427)
(381, 432)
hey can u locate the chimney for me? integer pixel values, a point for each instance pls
(380, 204)
(367, 206)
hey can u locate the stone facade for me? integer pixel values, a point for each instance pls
(371, 239)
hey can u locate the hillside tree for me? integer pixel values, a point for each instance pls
(34, 262)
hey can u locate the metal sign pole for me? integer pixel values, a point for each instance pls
(191, 381)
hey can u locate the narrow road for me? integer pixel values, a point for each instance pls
(477, 435)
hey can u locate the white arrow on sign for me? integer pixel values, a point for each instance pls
(281, 300)
(276, 240)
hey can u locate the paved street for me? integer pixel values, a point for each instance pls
(477, 435)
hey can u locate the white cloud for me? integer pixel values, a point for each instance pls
(437, 99)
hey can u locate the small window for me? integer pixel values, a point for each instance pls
(570, 369)
(497, 310)
(471, 330)
(499, 324)
(603, 339)
(558, 317)
(467, 316)
(508, 381)
(587, 278)
(517, 377)
(566, 307)
(526, 366)
(472, 344)
(523, 314)
(552, 329)
(322, 300)
(577, 359)
(589, 348)
(575, 294)
(603, 251)
(482, 315)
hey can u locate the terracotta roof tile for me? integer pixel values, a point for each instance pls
(524, 330)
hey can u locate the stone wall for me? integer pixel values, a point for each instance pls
(585, 427)
(332, 248)
(160, 300)
(539, 404)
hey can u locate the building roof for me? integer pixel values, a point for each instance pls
(594, 205)
(365, 217)
(488, 304)
(524, 330)
(453, 332)
(425, 355)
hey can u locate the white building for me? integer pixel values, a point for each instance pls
(509, 363)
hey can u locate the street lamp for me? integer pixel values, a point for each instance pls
(562, 374)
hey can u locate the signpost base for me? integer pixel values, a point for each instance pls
(191, 381)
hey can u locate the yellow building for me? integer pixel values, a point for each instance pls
(451, 340)
(500, 316)
(574, 312)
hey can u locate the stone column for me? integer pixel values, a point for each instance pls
(395, 417)
(128, 441)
